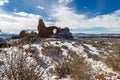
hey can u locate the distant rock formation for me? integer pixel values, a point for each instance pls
(53, 31)
(65, 33)
(48, 32)
(26, 33)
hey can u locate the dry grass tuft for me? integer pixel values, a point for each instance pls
(51, 51)
(75, 66)
(113, 60)
(94, 56)
(17, 66)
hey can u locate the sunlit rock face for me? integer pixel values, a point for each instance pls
(53, 31)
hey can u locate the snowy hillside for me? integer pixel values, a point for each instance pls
(52, 59)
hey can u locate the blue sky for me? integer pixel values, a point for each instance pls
(84, 16)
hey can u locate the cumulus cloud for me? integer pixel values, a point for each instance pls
(17, 21)
(65, 16)
(40, 7)
(59, 14)
(2, 2)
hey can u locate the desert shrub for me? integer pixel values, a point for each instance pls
(71, 53)
(100, 44)
(75, 66)
(64, 47)
(94, 56)
(77, 43)
(101, 53)
(100, 77)
(113, 60)
(1, 62)
(29, 37)
(34, 53)
(62, 69)
(86, 49)
(54, 52)
(51, 49)
(85, 41)
(80, 69)
(17, 66)
(95, 44)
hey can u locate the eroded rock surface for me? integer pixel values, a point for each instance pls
(45, 32)
(53, 31)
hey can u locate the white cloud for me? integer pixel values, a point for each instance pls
(15, 22)
(24, 14)
(2, 2)
(45, 5)
(61, 15)
(65, 1)
(65, 16)
(40, 7)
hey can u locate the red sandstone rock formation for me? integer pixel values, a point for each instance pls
(45, 32)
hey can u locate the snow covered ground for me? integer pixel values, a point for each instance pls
(49, 61)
